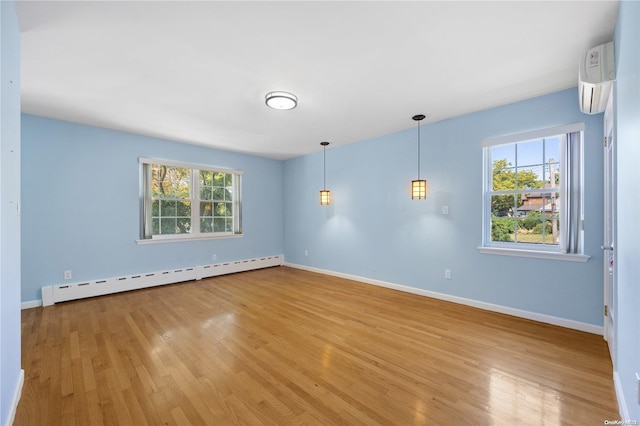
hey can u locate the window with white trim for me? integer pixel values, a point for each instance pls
(182, 201)
(533, 186)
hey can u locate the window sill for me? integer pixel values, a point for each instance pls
(186, 239)
(534, 254)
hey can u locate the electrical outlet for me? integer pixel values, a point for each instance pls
(306, 252)
(67, 275)
(214, 257)
(445, 209)
(447, 274)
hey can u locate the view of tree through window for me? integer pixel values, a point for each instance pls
(216, 202)
(525, 192)
(170, 200)
(180, 200)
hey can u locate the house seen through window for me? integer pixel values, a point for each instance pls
(524, 199)
(533, 191)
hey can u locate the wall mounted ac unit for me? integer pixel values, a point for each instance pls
(595, 77)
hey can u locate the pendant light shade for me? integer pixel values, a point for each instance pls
(419, 187)
(325, 194)
(325, 197)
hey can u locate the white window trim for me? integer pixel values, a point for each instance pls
(533, 135)
(522, 250)
(538, 254)
(174, 238)
(190, 237)
(144, 160)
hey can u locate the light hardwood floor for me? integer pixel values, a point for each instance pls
(283, 346)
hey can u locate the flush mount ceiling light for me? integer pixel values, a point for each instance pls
(419, 187)
(281, 100)
(325, 194)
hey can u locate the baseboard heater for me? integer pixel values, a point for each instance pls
(81, 290)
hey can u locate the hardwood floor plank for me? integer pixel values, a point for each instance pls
(180, 418)
(282, 346)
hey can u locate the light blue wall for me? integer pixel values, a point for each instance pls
(80, 205)
(373, 229)
(10, 374)
(627, 106)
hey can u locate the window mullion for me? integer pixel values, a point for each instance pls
(195, 201)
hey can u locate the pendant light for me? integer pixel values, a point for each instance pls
(325, 194)
(419, 187)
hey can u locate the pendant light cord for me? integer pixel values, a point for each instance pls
(324, 164)
(418, 150)
(418, 118)
(324, 168)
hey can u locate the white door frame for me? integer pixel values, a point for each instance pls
(609, 255)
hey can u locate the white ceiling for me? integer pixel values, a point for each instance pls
(197, 72)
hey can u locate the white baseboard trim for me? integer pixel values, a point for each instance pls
(548, 319)
(622, 404)
(91, 288)
(17, 393)
(30, 304)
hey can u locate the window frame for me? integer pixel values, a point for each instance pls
(545, 251)
(146, 235)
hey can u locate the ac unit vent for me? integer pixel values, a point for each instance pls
(595, 78)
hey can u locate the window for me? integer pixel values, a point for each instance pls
(188, 201)
(533, 192)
